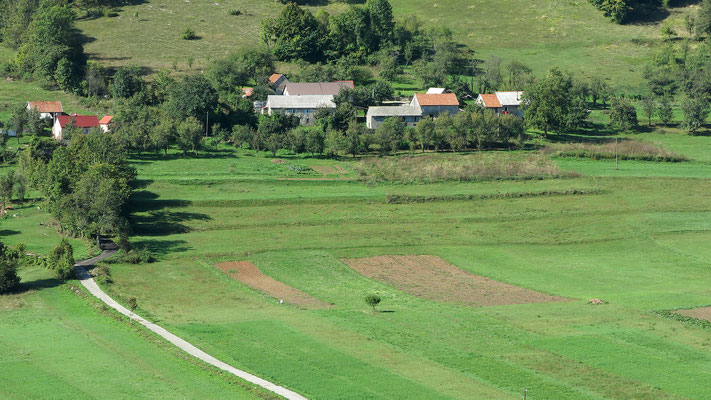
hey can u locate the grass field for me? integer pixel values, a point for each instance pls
(545, 33)
(634, 237)
(58, 343)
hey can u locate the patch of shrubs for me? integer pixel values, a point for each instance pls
(236, 12)
(189, 34)
(102, 274)
(134, 256)
(61, 260)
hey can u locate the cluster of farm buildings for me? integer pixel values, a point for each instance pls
(304, 99)
(60, 120)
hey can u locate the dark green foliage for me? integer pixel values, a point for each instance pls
(7, 183)
(695, 111)
(86, 184)
(389, 135)
(51, 48)
(189, 136)
(126, 82)
(61, 260)
(133, 256)
(665, 111)
(294, 34)
(189, 34)
(649, 108)
(622, 11)
(372, 300)
(703, 19)
(623, 115)
(194, 97)
(551, 103)
(9, 280)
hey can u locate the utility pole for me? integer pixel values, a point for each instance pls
(617, 159)
(207, 122)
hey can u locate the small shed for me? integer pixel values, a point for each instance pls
(105, 122)
(278, 82)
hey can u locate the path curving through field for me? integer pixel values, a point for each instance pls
(89, 283)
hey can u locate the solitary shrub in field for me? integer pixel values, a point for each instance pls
(189, 34)
(61, 260)
(372, 300)
(235, 12)
(132, 304)
(623, 115)
(8, 275)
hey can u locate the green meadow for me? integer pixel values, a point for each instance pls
(634, 237)
(546, 33)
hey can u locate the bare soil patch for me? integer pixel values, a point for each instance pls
(432, 278)
(250, 275)
(698, 313)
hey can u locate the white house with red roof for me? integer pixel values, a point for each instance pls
(435, 104)
(502, 102)
(47, 109)
(316, 88)
(83, 122)
(105, 121)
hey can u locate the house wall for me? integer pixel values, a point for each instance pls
(374, 122)
(306, 115)
(437, 110)
(57, 130)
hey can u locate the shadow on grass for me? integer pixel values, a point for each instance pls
(8, 232)
(145, 158)
(38, 284)
(162, 223)
(162, 247)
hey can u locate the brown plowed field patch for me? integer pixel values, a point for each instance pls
(250, 275)
(432, 278)
(699, 313)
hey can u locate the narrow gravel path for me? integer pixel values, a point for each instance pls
(89, 283)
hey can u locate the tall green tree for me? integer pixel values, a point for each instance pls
(50, 38)
(189, 136)
(550, 103)
(695, 111)
(194, 97)
(294, 34)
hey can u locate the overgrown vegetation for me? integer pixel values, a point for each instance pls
(473, 167)
(624, 150)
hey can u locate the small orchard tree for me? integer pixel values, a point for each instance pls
(623, 115)
(665, 111)
(189, 135)
(7, 183)
(372, 300)
(695, 111)
(649, 108)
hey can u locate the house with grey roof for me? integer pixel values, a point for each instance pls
(316, 88)
(304, 107)
(410, 115)
(502, 102)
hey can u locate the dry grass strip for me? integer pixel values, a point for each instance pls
(432, 278)
(250, 275)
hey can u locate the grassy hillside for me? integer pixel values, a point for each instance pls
(57, 343)
(632, 241)
(545, 33)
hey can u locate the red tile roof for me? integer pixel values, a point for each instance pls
(248, 91)
(274, 78)
(446, 99)
(491, 101)
(106, 119)
(47, 106)
(80, 121)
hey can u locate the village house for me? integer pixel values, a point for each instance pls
(502, 102)
(410, 115)
(83, 122)
(47, 109)
(316, 88)
(105, 123)
(304, 107)
(277, 82)
(435, 104)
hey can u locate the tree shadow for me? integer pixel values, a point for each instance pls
(142, 183)
(649, 16)
(162, 247)
(38, 284)
(163, 223)
(8, 232)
